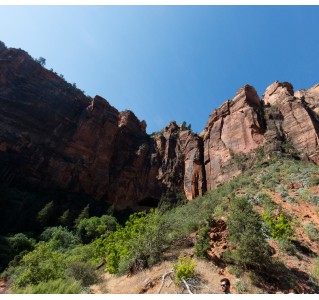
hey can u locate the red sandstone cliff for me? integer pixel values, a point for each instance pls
(51, 134)
(235, 127)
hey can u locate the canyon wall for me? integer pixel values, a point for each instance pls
(51, 134)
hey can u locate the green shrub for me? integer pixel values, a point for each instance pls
(236, 271)
(94, 227)
(246, 235)
(81, 253)
(20, 242)
(184, 269)
(262, 198)
(315, 271)
(287, 246)
(304, 194)
(202, 244)
(312, 231)
(313, 180)
(59, 238)
(45, 214)
(40, 265)
(219, 210)
(241, 286)
(141, 241)
(280, 227)
(56, 286)
(84, 214)
(64, 219)
(84, 272)
(314, 199)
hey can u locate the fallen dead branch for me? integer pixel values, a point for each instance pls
(163, 279)
(185, 283)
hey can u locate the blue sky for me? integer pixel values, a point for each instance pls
(169, 62)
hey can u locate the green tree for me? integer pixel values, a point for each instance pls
(202, 245)
(60, 238)
(40, 265)
(45, 213)
(94, 227)
(138, 244)
(20, 242)
(64, 219)
(41, 61)
(246, 235)
(85, 214)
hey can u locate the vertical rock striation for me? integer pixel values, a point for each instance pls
(235, 127)
(299, 121)
(51, 134)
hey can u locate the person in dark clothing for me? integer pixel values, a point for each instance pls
(225, 284)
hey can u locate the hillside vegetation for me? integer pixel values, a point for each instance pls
(261, 229)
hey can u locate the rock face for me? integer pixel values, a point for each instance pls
(299, 124)
(51, 134)
(235, 127)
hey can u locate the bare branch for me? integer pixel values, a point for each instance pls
(185, 283)
(163, 279)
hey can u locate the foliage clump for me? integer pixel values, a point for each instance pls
(136, 245)
(246, 236)
(184, 269)
(55, 286)
(312, 231)
(92, 228)
(202, 244)
(280, 226)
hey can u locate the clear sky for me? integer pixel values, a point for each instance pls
(169, 62)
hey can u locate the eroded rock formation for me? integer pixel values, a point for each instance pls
(299, 121)
(235, 127)
(51, 134)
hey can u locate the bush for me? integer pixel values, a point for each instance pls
(64, 219)
(241, 286)
(303, 193)
(84, 214)
(202, 244)
(314, 199)
(237, 272)
(280, 227)
(315, 271)
(94, 227)
(41, 61)
(287, 246)
(82, 271)
(40, 265)
(59, 238)
(56, 286)
(184, 269)
(20, 242)
(312, 231)
(246, 235)
(313, 180)
(45, 214)
(136, 245)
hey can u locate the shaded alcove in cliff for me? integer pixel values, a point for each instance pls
(149, 201)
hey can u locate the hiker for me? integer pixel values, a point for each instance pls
(225, 284)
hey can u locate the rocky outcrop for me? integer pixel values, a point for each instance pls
(299, 121)
(51, 134)
(235, 127)
(180, 160)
